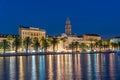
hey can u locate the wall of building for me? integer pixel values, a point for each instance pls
(87, 37)
(32, 33)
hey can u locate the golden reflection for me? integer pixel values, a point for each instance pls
(33, 77)
(12, 68)
(68, 67)
(89, 74)
(98, 66)
(59, 75)
(77, 67)
(112, 67)
(62, 66)
(21, 76)
(50, 67)
(1, 66)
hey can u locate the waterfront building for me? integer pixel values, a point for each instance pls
(115, 43)
(88, 37)
(115, 39)
(7, 38)
(31, 32)
(4, 36)
(70, 37)
(90, 40)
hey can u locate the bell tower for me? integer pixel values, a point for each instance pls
(68, 29)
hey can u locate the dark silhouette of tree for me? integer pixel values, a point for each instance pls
(72, 46)
(54, 41)
(100, 45)
(45, 43)
(5, 45)
(36, 44)
(17, 43)
(119, 45)
(76, 44)
(63, 40)
(114, 45)
(10, 39)
(91, 43)
(27, 42)
(83, 46)
(106, 44)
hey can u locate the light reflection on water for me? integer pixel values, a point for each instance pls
(61, 67)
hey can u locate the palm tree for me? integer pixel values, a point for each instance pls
(72, 46)
(10, 39)
(100, 45)
(96, 43)
(106, 44)
(27, 42)
(36, 44)
(114, 45)
(63, 40)
(91, 43)
(83, 46)
(54, 41)
(17, 43)
(5, 45)
(1, 45)
(45, 43)
(76, 45)
(118, 43)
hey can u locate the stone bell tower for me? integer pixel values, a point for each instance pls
(68, 29)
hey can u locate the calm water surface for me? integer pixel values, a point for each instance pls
(61, 67)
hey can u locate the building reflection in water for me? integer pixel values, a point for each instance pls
(89, 68)
(58, 71)
(112, 67)
(33, 70)
(2, 68)
(12, 68)
(42, 68)
(21, 68)
(68, 67)
(76, 67)
(50, 67)
(61, 67)
(98, 66)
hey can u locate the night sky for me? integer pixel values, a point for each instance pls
(87, 16)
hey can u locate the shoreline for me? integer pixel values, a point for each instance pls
(50, 53)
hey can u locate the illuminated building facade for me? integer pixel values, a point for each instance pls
(31, 32)
(115, 39)
(88, 37)
(4, 36)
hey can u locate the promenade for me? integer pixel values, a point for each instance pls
(49, 53)
(31, 54)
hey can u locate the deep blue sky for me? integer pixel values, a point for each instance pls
(87, 16)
